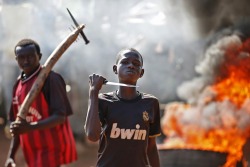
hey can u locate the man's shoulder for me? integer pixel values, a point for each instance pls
(107, 96)
(53, 78)
(55, 75)
(148, 96)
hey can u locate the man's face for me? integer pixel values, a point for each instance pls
(27, 58)
(129, 68)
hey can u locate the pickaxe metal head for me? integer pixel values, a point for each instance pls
(76, 24)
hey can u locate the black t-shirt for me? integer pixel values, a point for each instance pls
(54, 90)
(126, 126)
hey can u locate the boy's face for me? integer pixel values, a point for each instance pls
(27, 58)
(129, 67)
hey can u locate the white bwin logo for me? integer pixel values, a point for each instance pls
(128, 133)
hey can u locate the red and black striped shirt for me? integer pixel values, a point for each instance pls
(50, 147)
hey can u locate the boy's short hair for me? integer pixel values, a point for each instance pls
(26, 42)
(128, 50)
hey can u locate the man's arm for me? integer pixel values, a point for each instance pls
(50, 122)
(14, 145)
(92, 124)
(17, 128)
(153, 153)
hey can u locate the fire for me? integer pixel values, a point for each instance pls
(220, 119)
(236, 67)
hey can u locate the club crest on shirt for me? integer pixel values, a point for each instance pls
(145, 116)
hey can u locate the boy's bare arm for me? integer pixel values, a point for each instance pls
(14, 145)
(153, 153)
(20, 127)
(92, 124)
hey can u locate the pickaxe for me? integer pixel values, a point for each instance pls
(46, 68)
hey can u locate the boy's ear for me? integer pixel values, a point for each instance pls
(115, 69)
(142, 72)
(40, 56)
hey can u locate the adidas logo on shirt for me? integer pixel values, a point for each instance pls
(129, 134)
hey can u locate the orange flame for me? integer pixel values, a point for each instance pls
(236, 69)
(228, 134)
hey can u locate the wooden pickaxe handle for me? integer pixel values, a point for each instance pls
(48, 65)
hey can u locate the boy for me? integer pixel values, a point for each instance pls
(125, 121)
(45, 136)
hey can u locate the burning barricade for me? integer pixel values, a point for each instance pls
(216, 116)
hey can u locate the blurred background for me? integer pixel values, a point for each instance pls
(173, 37)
